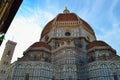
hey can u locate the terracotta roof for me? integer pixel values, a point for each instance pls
(67, 17)
(88, 26)
(115, 58)
(96, 43)
(47, 28)
(41, 44)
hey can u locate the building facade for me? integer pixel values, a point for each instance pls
(8, 9)
(67, 50)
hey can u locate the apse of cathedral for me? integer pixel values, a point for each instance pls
(67, 50)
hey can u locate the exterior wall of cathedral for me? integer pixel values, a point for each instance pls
(102, 70)
(100, 53)
(31, 70)
(98, 70)
(36, 54)
(70, 56)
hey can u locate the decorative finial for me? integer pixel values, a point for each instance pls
(66, 10)
(65, 7)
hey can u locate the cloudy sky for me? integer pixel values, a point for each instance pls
(33, 15)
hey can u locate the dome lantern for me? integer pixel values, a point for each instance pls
(66, 11)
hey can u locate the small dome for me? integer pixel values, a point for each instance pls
(41, 44)
(96, 43)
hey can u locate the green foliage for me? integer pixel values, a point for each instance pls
(2, 37)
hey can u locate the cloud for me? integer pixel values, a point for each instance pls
(24, 32)
(110, 27)
(26, 29)
(101, 16)
(111, 37)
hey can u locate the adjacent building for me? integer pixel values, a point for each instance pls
(8, 9)
(67, 50)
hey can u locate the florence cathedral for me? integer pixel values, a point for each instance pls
(67, 50)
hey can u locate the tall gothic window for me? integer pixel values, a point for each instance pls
(27, 76)
(70, 78)
(115, 76)
(1, 3)
(8, 54)
(35, 57)
(91, 59)
(53, 78)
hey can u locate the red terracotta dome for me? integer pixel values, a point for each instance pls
(47, 28)
(96, 43)
(41, 44)
(66, 16)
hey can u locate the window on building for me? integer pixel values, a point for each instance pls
(78, 43)
(70, 78)
(35, 58)
(104, 57)
(92, 59)
(57, 44)
(53, 78)
(3, 71)
(47, 59)
(115, 76)
(8, 54)
(27, 76)
(67, 34)
(1, 3)
(5, 63)
(88, 79)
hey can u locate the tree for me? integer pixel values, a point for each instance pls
(2, 37)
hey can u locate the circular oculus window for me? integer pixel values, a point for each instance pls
(67, 34)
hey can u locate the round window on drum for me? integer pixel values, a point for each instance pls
(67, 34)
